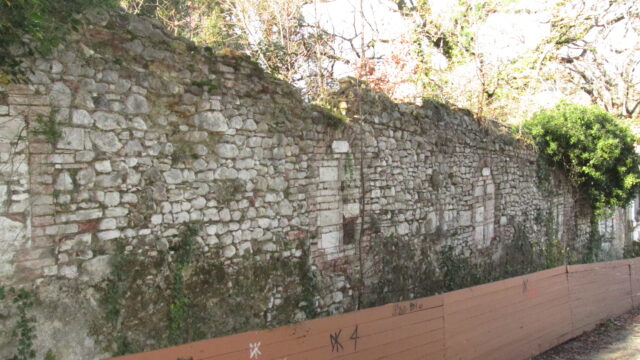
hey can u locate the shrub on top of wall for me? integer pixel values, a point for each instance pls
(595, 151)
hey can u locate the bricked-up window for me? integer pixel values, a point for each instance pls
(349, 230)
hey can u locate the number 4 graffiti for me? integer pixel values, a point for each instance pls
(354, 336)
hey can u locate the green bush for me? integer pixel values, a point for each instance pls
(595, 151)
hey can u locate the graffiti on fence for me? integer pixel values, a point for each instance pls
(254, 350)
(402, 309)
(336, 344)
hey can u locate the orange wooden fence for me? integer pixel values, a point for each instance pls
(510, 319)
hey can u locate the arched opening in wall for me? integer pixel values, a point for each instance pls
(484, 209)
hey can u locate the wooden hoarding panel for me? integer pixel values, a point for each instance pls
(598, 291)
(531, 311)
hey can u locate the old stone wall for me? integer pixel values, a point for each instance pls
(126, 136)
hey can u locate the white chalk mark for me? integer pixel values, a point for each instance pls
(254, 350)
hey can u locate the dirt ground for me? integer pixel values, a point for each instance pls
(615, 339)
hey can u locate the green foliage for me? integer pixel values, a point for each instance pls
(227, 189)
(36, 27)
(49, 355)
(188, 295)
(181, 153)
(459, 271)
(592, 148)
(49, 128)
(208, 85)
(631, 250)
(112, 298)
(179, 306)
(593, 250)
(329, 115)
(24, 328)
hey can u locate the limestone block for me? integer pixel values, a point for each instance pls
(173, 176)
(10, 128)
(352, 210)
(64, 182)
(328, 173)
(213, 121)
(105, 141)
(226, 174)
(229, 251)
(103, 166)
(136, 104)
(107, 224)
(286, 209)
(464, 218)
(108, 235)
(329, 217)
(108, 121)
(12, 237)
(340, 146)
(72, 139)
(403, 228)
(329, 240)
(277, 183)
(112, 199)
(85, 176)
(227, 151)
(60, 95)
(69, 271)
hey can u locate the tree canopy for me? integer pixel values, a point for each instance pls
(596, 152)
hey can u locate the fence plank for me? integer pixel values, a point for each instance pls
(485, 322)
(598, 291)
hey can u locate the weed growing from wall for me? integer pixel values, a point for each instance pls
(48, 127)
(593, 250)
(331, 116)
(21, 300)
(459, 271)
(179, 305)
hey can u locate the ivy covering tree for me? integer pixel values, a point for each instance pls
(597, 152)
(35, 27)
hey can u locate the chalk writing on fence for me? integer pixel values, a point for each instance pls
(254, 350)
(402, 309)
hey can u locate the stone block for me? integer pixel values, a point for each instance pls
(105, 141)
(72, 139)
(213, 121)
(329, 240)
(108, 121)
(108, 235)
(136, 104)
(328, 173)
(227, 151)
(329, 217)
(340, 146)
